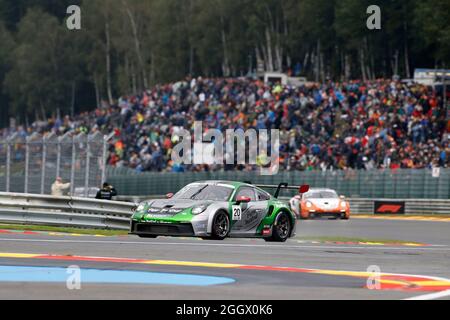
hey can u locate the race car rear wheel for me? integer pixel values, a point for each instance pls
(221, 226)
(281, 230)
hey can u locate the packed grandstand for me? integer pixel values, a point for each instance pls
(328, 126)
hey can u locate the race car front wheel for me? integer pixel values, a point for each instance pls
(281, 229)
(221, 226)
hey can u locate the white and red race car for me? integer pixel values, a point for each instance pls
(320, 203)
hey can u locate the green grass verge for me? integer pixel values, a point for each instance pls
(63, 230)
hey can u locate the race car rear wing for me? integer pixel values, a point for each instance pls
(301, 189)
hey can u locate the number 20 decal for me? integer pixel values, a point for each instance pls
(237, 213)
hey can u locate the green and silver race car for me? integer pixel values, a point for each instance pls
(217, 210)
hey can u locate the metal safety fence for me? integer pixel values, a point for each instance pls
(31, 164)
(374, 184)
(45, 210)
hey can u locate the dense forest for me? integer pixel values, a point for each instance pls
(127, 45)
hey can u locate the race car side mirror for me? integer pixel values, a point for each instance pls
(240, 200)
(169, 195)
(304, 189)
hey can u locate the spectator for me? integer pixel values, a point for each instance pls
(59, 188)
(107, 192)
(331, 126)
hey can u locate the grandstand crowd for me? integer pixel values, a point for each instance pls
(330, 126)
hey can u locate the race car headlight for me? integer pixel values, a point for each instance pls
(309, 204)
(199, 209)
(141, 207)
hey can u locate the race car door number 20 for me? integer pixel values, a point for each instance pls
(237, 213)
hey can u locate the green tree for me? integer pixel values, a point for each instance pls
(6, 58)
(432, 19)
(37, 82)
(126, 46)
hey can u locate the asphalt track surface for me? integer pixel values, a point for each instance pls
(250, 265)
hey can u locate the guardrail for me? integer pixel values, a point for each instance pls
(18, 208)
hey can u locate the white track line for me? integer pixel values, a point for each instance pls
(432, 296)
(200, 244)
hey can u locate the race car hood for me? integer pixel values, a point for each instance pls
(326, 203)
(179, 204)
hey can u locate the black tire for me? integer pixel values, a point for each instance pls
(282, 229)
(220, 226)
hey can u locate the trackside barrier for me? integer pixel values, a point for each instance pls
(412, 207)
(360, 206)
(32, 209)
(359, 184)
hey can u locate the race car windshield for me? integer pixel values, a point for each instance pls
(204, 192)
(321, 195)
(328, 195)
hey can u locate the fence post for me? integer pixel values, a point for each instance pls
(27, 161)
(58, 156)
(8, 161)
(104, 161)
(44, 157)
(72, 169)
(8, 164)
(105, 155)
(88, 164)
